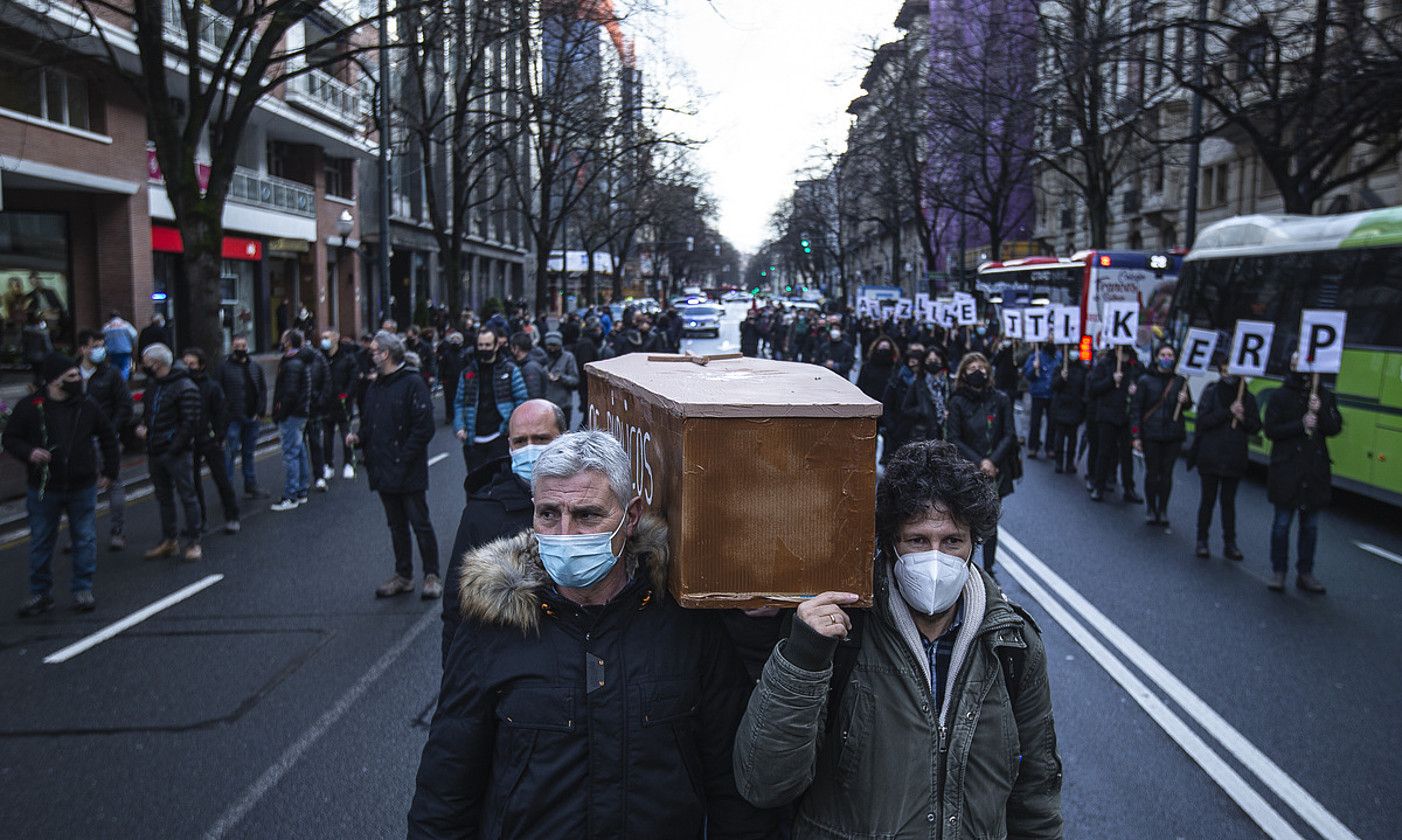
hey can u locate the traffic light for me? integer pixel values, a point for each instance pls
(788, 288)
(806, 245)
(763, 273)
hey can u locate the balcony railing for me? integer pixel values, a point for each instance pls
(215, 28)
(250, 187)
(327, 95)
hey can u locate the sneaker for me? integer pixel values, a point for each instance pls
(1277, 582)
(327, 473)
(1202, 550)
(35, 605)
(1231, 552)
(167, 548)
(84, 601)
(117, 543)
(232, 526)
(321, 485)
(192, 553)
(348, 472)
(433, 588)
(286, 504)
(394, 586)
(1096, 495)
(1306, 582)
(303, 499)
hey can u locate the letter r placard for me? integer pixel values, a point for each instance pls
(1251, 348)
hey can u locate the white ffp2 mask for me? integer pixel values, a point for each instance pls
(930, 581)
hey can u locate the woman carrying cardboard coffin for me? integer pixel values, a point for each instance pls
(928, 714)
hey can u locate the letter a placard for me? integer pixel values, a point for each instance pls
(1197, 351)
(1321, 345)
(1251, 347)
(1120, 321)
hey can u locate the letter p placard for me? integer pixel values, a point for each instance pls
(1321, 345)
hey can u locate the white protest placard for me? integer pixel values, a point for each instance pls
(1251, 347)
(865, 306)
(949, 313)
(1036, 323)
(1120, 323)
(1321, 345)
(924, 307)
(967, 309)
(905, 308)
(1066, 324)
(1012, 323)
(1197, 351)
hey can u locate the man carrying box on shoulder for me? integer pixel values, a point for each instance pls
(942, 679)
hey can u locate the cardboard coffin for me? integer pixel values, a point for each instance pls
(764, 470)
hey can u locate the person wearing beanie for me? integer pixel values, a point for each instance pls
(51, 432)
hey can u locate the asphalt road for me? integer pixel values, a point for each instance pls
(285, 701)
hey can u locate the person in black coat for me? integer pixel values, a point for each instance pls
(343, 362)
(927, 399)
(1068, 411)
(877, 367)
(319, 371)
(105, 386)
(450, 365)
(1157, 424)
(246, 397)
(1225, 425)
(208, 447)
(1298, 421)
(1112, 384)
(579, 699)
(586, 350)
(832, 351)
(895, 425)
(170, 424)
(499, 496)
(980, 425)
(395, 430)
(292, 400)
(749, 334)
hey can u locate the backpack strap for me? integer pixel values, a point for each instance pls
(1013, 658)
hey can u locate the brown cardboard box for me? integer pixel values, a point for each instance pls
(764, 470)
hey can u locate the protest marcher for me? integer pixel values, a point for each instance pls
(499, 496)
(396, 428)
(450, 365)
(155, 332)
(292, 396)
(1158, 427)
(1003, 369)
(1038, 370)
(52, 432)
(1225, 424)
(319, 377)
(928, 714)
(1298, 420)
(208, 446)
(532, 369)
(561, 375)
(1112, 385)
(170, 422)
(579, 607)
(749, 334)
(877, 367)
(895, 425)
(490, 389)
(980, 425)
(927, 400)
(105, 385)
(119, 337)
(246, 396)
(1068, 410)
(586, 350)
(344, 370)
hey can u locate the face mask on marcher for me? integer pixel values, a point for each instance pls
(835, 335)
(97, 354)
(326, 344)
(976, 378)
(523, 460)
(578, 560)
(930, 581)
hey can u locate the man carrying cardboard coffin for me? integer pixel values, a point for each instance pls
(934, 717)
(499, 496)
(579, 700)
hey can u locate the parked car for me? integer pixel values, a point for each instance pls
(702, 318)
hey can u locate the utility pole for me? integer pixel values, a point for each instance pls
(385, 135)
(1190, 231)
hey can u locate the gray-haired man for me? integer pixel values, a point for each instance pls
(169, 423)
(580, 700)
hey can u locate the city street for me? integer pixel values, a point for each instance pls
(285, 701)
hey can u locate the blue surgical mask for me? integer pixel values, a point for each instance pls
(326, 344)
(981, 330)
(97, 355)
(1166, 364)
(523, 460)
(578, 561)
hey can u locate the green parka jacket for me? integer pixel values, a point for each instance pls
(891, 765)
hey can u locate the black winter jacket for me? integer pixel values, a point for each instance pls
(237, 378)
(344, 369)
(174, 413)
(1068, 405)
(1300, 472)
(1111, 400)
(66, 429)
(320, 379)
(534, 373)
(108, 389)
(557, 721)
(980, 424)
(840, 353)
(292, 392)
(498, 505)
(214, 420)
(1222, 448)
(1152, 411)
(395, 430)
(874, 376)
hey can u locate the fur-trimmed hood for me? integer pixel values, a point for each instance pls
(501, 581)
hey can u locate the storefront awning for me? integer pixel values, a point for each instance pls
(167, 240)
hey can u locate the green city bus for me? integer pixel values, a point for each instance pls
(1269, 268)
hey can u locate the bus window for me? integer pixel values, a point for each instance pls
(1374, 300)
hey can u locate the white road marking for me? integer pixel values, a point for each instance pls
(1285, 787)
(441, 456)
(130, 621)
(1381, 552)
(1255, 806)
(289, 758)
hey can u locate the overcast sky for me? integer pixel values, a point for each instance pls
(771, 80)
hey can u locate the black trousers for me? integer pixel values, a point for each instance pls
(1159, 457)
(334, 422)
(1114, 448)
(1092, 434)
(172, 477)
(212, 453)
(1213, 488)
(990, 552)
(1041, 422)
(314, 445)
(450, 398)
(404, 511)
(1062, 446)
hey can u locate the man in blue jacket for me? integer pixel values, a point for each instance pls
(481, 413)
(1038, 370)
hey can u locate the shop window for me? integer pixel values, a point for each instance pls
(49, 94)
(35, 284)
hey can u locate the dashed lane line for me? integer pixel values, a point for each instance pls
(1381, 552)
(89, 642)
(441, 456)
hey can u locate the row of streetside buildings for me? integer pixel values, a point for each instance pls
(86, 227)
(1038, 209)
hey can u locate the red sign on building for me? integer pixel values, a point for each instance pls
(167, 240)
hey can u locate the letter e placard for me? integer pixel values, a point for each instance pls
(1197, 351)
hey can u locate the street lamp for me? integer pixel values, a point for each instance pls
(344, 224)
